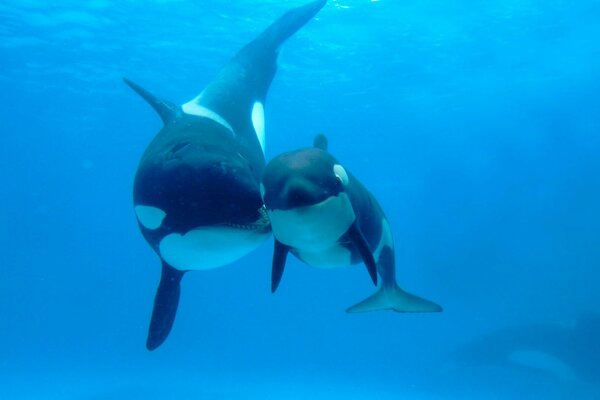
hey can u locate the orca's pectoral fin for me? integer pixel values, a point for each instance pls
(165, 306)
(280, 252)
(359, 241)
(165, 109)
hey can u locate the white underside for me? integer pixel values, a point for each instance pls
(257, 116)
(314, 231)
(193, 107)
(258, 122)
(208, 247)
(543, 362)
(334, 257)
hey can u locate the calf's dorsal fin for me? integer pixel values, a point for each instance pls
(320, 142)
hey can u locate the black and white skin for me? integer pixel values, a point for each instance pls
(323, 215)
(196, 191)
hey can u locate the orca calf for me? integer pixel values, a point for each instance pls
(196, 191)
(324, 216)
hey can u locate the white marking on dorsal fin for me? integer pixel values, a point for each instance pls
(258, 121)
(150, 217)
(193, 107)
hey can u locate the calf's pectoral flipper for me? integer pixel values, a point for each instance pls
(359, 241)
(280, 253)
(165, 306)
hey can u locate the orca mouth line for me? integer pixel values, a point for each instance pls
(262, 224)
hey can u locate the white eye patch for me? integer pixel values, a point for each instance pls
(150, 217)
(341, 174)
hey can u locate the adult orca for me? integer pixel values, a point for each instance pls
(324, 216)
(570, 352)
(196, 191)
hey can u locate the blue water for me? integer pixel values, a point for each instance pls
(476, 124)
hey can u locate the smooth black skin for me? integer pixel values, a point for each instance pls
(283, 192)
(358, 240)
(167, 111)
(280, 252)
(165, 306)
(198, 179)
(196, 170)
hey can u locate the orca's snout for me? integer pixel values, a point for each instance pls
(295, 193)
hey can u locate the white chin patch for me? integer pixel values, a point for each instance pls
(258, 121)
(208, 247)
(313, 228)
(150, 217)
(335, 256)
(193, 107)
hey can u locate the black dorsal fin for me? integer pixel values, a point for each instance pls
(320, 142)
(165, 109)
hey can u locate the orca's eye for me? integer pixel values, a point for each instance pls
(340, 174)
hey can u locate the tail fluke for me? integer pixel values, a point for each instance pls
(288, 24)
(250, 73)
(394, 298)
(165, 306)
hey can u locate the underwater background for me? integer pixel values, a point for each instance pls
(476, 125)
